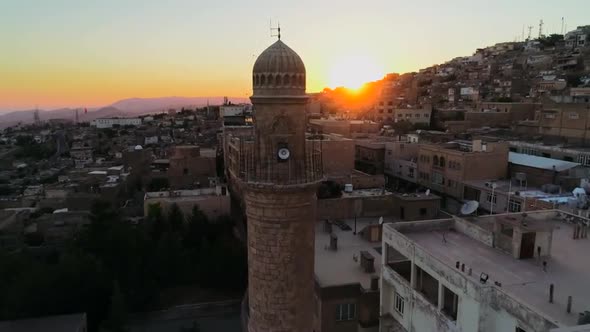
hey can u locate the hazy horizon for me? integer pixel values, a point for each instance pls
(71, 54)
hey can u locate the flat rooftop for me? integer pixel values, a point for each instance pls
(524, 280)
(416, 196)
(366, 192)
(504, 186)
(334, 268)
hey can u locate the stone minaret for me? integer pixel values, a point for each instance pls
(279, 185)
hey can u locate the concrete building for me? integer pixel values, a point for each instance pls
(578, 154)
(346, 128)
(191, 167)
(566, 121)
(347, 273)
(413, 115)
(401, 161)
(278, 171)
(60, 323)
(110, 122)
(369, 156)
(445, 167)
(486, 273)
(214, 202)
(415, 206)
(494, 114)
(500, 196)
(541, 171)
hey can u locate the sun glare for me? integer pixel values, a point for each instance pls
(354, 71)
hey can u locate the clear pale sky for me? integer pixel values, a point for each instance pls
(91, 53)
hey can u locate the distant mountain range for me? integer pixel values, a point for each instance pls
(122, 108)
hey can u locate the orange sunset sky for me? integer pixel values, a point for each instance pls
(81, 54)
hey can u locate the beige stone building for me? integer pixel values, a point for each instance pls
(445, 167)
(418, 115)
(494, 114)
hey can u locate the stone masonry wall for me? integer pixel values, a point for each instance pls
(281, 258)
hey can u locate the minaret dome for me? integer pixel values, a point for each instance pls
(278, 71)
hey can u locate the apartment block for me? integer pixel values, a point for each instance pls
(510, 272)
(445, 167)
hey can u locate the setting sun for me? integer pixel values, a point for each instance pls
(354, 71)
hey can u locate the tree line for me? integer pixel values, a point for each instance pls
(113, 267)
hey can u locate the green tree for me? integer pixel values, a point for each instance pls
(194, 328)
(175, 218)
(117, 317)
(156, 221)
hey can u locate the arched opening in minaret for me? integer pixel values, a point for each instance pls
(286, 81)
(271, 80)
(262, 80)
(279, 80)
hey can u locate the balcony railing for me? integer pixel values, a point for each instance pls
(249, 167)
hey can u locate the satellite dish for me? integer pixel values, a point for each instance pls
(469, 207)
(380, 220)
(427, 192)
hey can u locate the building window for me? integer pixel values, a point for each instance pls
(345, 311)
(390, 111)
(573, 115)
(411, 172)
(549, 116)
(417, 115)
(380, 111)
(491, 198)
(399, 115)
(442, 162)
(513, 205)
(438, 178)
(426, 115)
(399, 303)
(423, 211)
(435, 160)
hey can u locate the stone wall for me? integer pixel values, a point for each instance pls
(280, 257)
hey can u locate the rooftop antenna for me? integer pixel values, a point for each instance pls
(540, 28)
(562, 22)
(530, 27)
(277, 29)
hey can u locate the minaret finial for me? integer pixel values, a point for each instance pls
(278, 29)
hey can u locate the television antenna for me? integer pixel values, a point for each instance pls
(275, 32)
(530, 27)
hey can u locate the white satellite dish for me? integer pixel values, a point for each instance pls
(427, 192)
(380, 220)
(469, 207)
